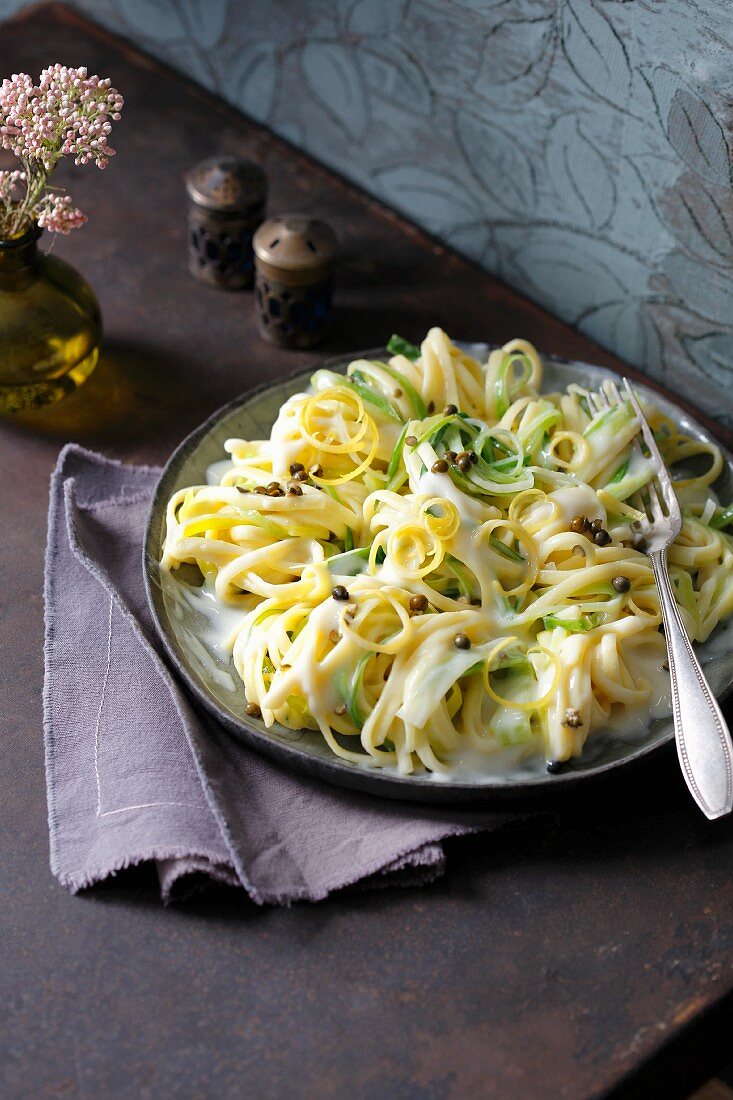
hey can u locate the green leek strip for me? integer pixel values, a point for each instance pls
(350, 563)
(397, 345)
(573, 626)
(620, 473)
(248, 515)
(531, 435)
(502, 397)
(324, 378)
(279, 530)
(685, 593)
(506, 551)
(516, 664)
(394, 462)
(466, 585)
(495, 471)
(414, 397)
(622, 413)
(268, 613)
(397, 481)
(511, 727)
(434, 426)
(366, 393)
(352, 700)
(722, 520)
(348, 540)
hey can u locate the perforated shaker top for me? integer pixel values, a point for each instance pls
(294, 242)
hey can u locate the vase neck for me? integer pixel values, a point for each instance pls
(19, 260)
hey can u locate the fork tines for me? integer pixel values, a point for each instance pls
(665, 481)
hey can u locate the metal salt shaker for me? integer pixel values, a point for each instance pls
(294, 261)
(227, 197)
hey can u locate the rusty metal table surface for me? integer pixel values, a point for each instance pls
(590, 954)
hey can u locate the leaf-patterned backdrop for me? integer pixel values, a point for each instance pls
(580, 149)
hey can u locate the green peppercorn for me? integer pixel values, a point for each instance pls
(411, 440)
(439, 467)
(601, 538)
(621, 584)
(450, 410)
(252, 711)
(340, 592)
(579, 524)
(419, 604)
(296, 468)
(462, 641)
(294, 489)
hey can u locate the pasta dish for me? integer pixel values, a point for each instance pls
(429, 556)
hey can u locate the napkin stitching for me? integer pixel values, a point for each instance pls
(69, 501)
(139, 805)
(113, 502)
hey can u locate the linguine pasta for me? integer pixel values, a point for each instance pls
(429, 556)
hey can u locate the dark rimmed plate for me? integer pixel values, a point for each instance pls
(216, 686)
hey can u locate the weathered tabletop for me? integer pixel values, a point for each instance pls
(574, 958)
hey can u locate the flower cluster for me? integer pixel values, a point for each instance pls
(68, 113)
(9, 186)
(55, 212)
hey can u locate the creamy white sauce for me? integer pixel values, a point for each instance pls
(206, 627)
(440, 485)
(577, 500)
(216, 471)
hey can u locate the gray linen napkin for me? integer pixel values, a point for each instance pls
(135, 773)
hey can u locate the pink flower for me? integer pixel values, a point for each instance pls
(68, 113)
(9, 185)
(57, 214)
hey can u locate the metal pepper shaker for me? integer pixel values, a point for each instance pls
(227, 197)
(294, 261)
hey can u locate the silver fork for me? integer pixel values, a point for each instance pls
(703, 740)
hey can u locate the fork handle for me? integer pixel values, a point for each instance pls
(702, 736)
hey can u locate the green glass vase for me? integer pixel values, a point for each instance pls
(50, 325)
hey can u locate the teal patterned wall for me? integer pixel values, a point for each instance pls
(581, 149)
